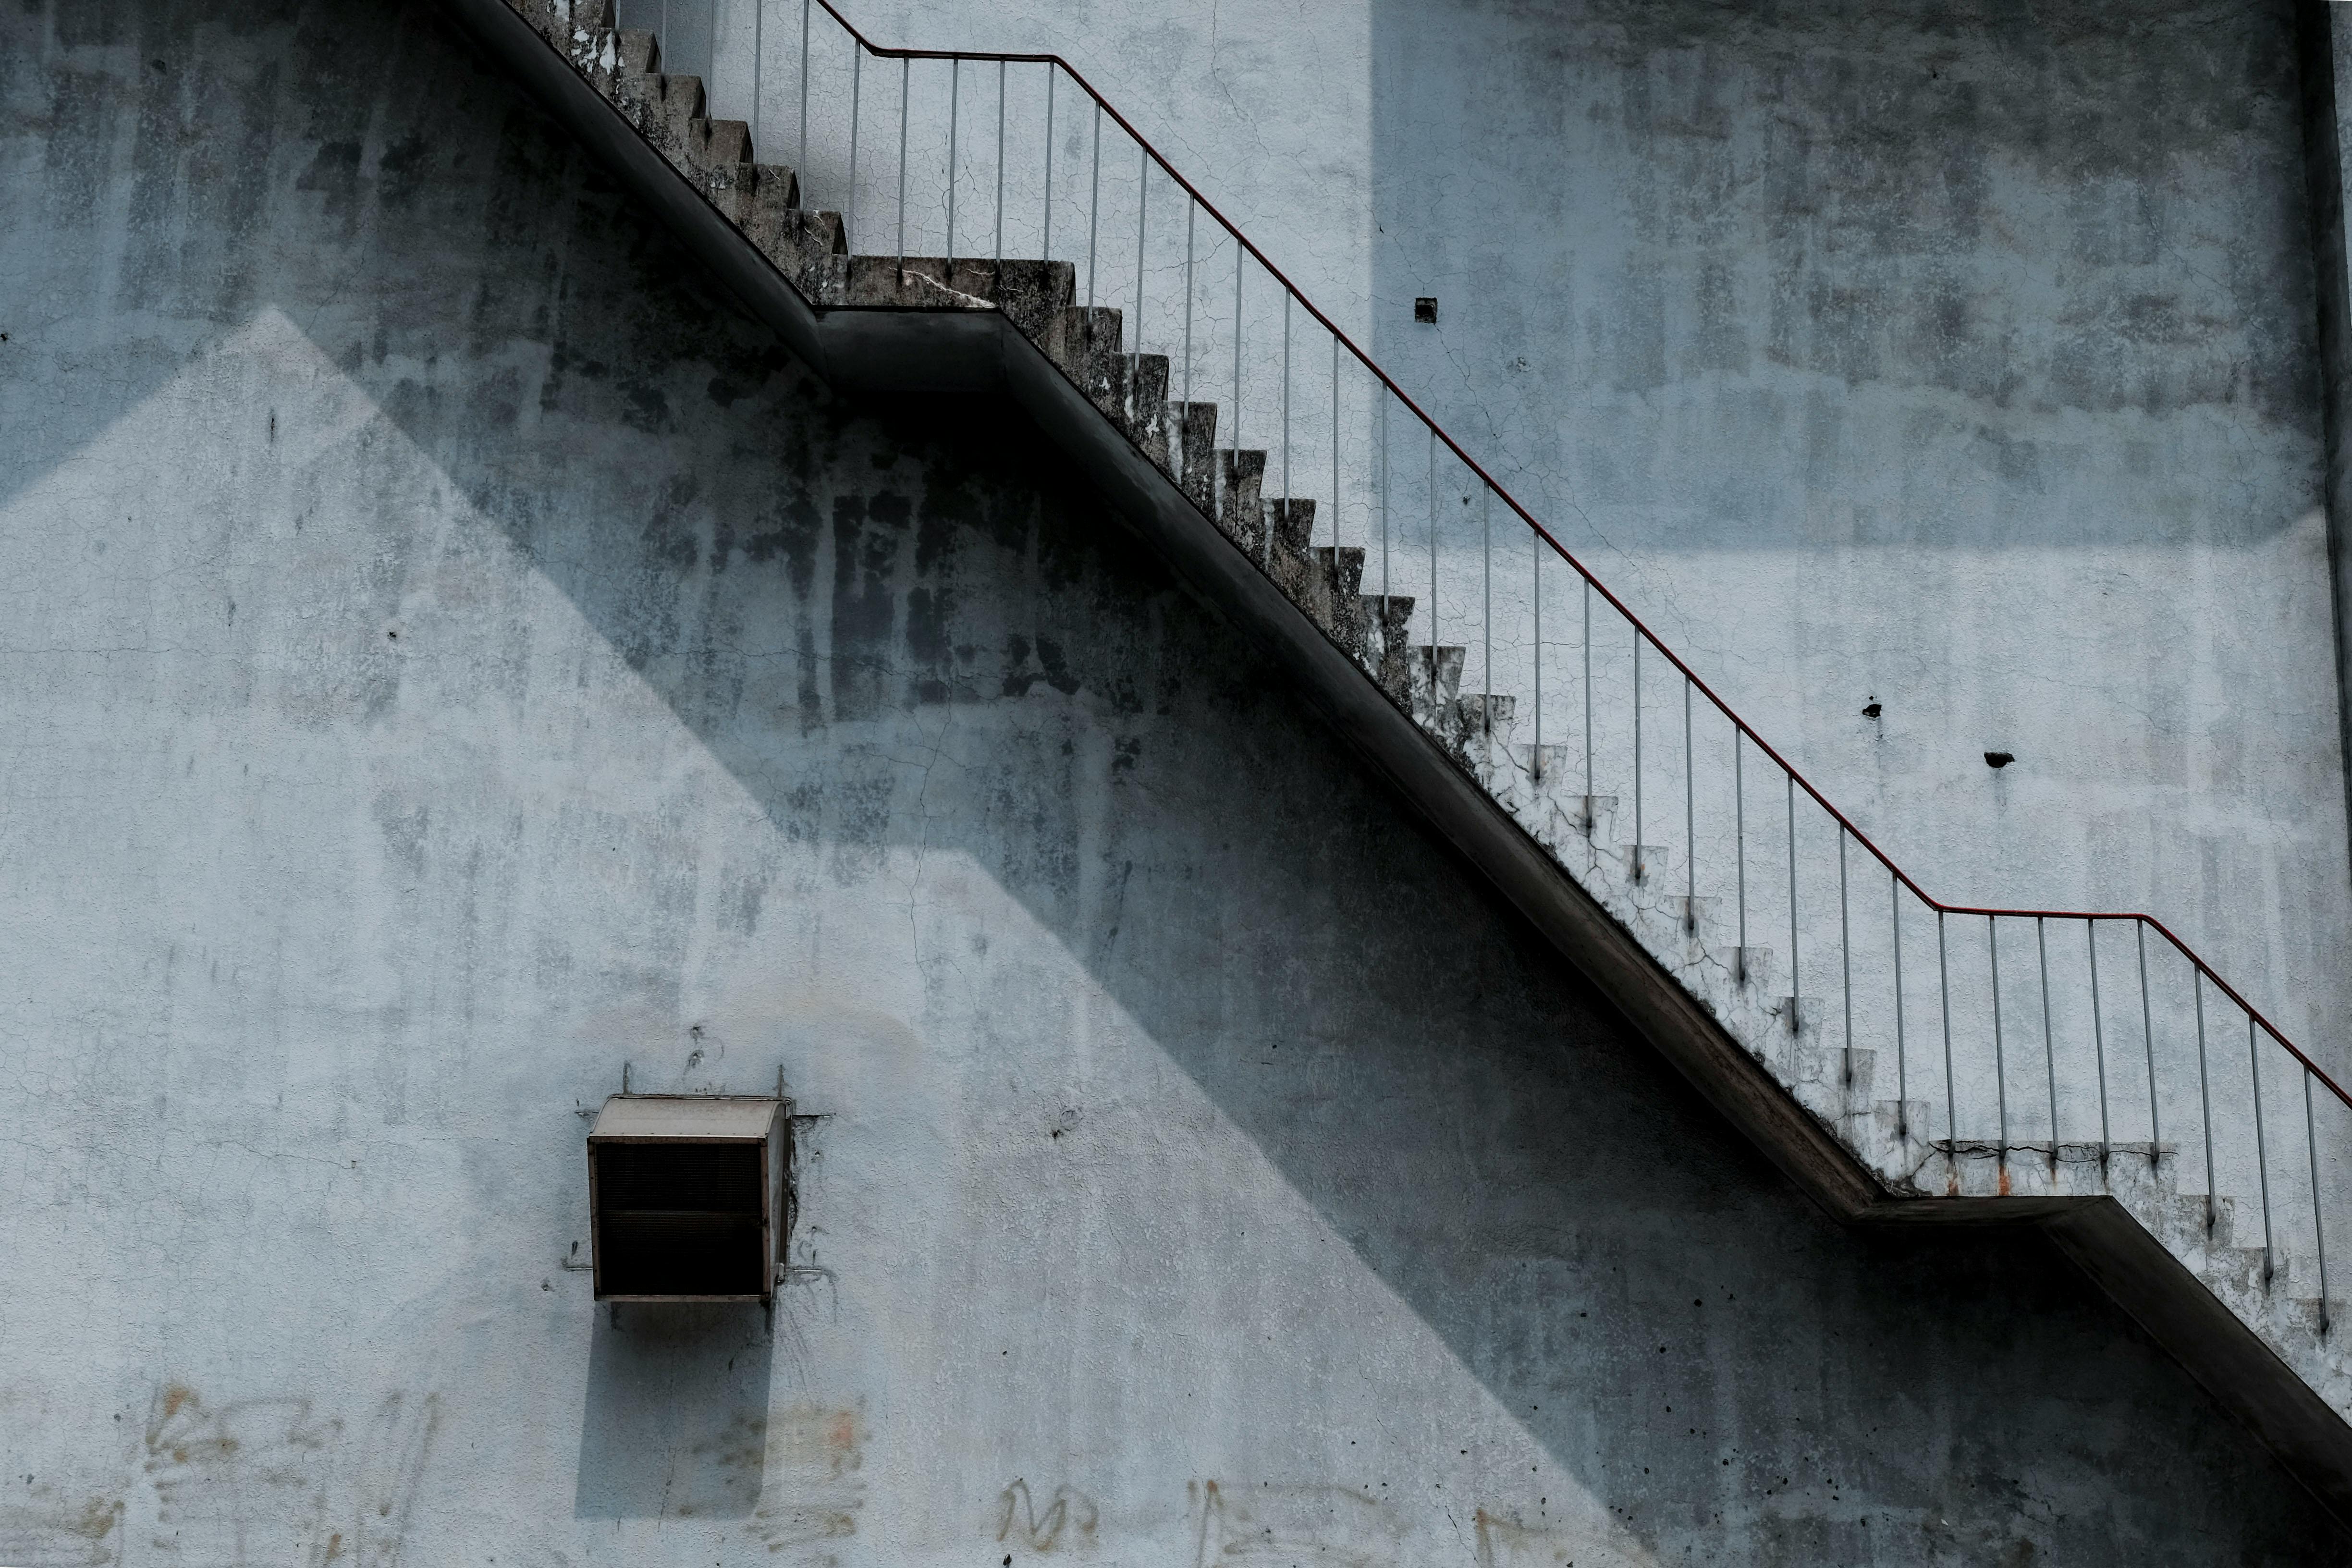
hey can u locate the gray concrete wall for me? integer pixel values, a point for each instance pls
(450, 655)
(1958, 359)
(2323, 45)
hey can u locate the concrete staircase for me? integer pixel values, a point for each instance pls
(2240, 1303)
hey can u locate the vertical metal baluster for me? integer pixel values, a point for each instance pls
(1192, 213)
(999, 248)
(2049, 1050)
(1845, 955)
(1739, 841)
(1433, 562)
(1046, 250)
(1592, 810)
(2000, 1061)
(2318, 1215)
(1951, 1081)
(955, 117)
(710, 47)
(1381, 394)
(2205, 1098)
(758, 16)
(1486, 568)
(1286, 414)
(1142, 198)
(1535, 582)
(1796, 992)
(2148, 1033)
(1690, 820)
(2098, 1044)
(1637, 754)
(857, 89)
(906, 78)
(1094, 224)
(1240, 255)
(1335, 459)
(802, 173)
(2261, 1150)
(1902, 1065)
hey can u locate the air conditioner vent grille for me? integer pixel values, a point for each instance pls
(681, 1191)
(718, 1177)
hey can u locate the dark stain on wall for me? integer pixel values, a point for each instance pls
(811, 584)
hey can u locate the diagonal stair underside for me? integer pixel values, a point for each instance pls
(2223, 1263)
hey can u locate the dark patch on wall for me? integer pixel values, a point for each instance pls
(1533, 1184)
(1946, 216)
(401, 169)
(870, 536)
(333, 174)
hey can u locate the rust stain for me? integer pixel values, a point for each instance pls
(215, 1470)
(40, 1524)
(811, 1489)
(98, 1519)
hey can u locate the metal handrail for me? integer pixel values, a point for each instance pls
(1536, 526)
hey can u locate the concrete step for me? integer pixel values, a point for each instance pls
(1087, 345)
(811, 248)
(560, 21)
(1240, 514)
(1436, 676)
(1195, 458)
(1148, 416)
(718, 160)
(676, 103)
(1290, 522)
(1387, 647)
(1336, 600)
(1034, 295)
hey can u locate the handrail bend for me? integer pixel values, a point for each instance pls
(1363, 358)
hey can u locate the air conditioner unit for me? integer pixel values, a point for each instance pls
(686, 1195)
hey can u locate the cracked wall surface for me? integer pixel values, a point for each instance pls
(451, 655)
(1956, 359)
(1959, 359)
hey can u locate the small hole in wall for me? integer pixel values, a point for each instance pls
(1997, 760)
(1425, 309)
(1871, 709)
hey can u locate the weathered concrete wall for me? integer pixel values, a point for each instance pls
(1960, 360)
(1957, 358)
(2324, 56)
(450, 654)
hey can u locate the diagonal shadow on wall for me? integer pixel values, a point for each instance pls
(826, 583)
(812, 586)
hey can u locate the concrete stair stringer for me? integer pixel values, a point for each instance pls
(1617, 911)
